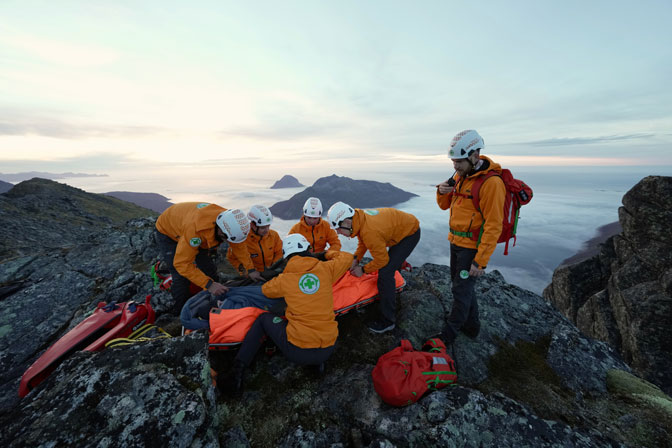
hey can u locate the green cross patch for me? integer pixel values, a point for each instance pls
(309, 283)
(195, 242)
(370, 211)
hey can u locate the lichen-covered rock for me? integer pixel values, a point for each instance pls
(156, 393)
(581, 363)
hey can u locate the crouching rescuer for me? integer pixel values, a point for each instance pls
(377, 230)
(473, 233)
(308, 334)
(186, 233)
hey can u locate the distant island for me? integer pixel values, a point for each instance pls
(20, 177)
(287, 181)
(331, 189)
(152, 201)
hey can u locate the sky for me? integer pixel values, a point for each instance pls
(315, 87)
(215, 100)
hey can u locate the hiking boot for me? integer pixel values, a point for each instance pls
(471, 331)
(315, 370)
(232, 384)
(381, 325)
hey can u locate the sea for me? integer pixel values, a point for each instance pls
(568, 206)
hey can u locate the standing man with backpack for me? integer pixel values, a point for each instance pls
(474, 231)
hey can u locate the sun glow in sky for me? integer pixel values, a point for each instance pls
(107, 86)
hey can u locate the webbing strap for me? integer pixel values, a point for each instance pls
(440, 372)
(458, 233)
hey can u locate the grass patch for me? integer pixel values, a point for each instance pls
(635, 413)
(271, 407)
(520, 371)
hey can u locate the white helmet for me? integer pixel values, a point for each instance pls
(260, 215)
(464, 144)
(293, 244)
(312, 208)
(338, 212)
(234, 224)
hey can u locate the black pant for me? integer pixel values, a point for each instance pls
(386, 284)
(180, 288)
(274, 327)
(465, 306)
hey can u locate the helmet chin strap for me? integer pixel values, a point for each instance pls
(472, 165)
(349, 229)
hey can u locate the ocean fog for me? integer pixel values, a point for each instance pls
(569, 204)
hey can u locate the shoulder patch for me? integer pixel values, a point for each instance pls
(202, 204)
(371, 211)
(195, 242)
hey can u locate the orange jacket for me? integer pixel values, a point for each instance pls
(318, 236)
(464, 217)
(263, 251)
(380, 228)
(192, 225)
(306, 284)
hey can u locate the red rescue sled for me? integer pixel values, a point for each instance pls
(108, 321)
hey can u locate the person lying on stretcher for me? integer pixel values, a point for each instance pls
(195, 313)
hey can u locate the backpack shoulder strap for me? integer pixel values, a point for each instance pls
(476, 188)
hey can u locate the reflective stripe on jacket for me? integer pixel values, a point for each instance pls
(380, 228)
(192, 226)
(262, 251)
(306, 284)
(318, 236)
(464, 217)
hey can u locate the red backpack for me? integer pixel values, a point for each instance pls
(403, 375)
(518, 193)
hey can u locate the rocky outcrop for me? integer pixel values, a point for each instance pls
(157, 393)
(529, 379)
(331, 189)
(623, 295)
(151, 201)
(287, 181)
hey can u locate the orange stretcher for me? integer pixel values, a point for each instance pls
(229, 327)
